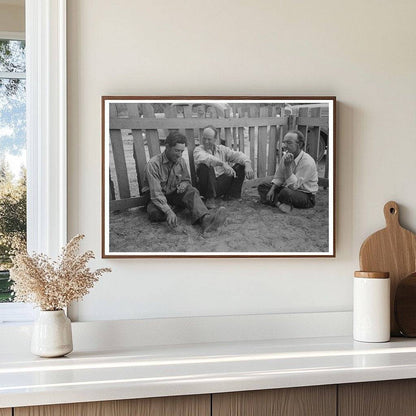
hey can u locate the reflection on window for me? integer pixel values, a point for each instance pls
(12, 156)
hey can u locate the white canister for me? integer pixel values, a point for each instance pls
(371, 307)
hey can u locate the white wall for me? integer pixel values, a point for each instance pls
(363, 52)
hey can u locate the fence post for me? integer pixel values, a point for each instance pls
(314, 135)
(304, 112)
(262, 146)
(271, 165)
(235, 111)
(139, 153)
(240, 131)
(152, 136)
(227, 130)
(190, 139)
(119, 157)
(201, 110)
(252, 135)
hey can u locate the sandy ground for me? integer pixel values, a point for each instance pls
(250, 227)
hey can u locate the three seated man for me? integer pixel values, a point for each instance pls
(221, 172)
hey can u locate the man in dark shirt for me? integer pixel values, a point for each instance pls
(168, 183)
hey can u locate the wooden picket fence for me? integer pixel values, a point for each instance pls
(255, 129)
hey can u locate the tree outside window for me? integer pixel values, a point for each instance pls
(12, 156)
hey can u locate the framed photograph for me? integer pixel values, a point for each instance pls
(218, 176)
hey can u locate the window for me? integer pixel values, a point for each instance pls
(12, 154)
(46, 135)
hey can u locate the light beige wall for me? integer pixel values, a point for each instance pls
(361, 51)
(12, 18)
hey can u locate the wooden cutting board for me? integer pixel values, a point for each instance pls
(393, 250)
(405, 305)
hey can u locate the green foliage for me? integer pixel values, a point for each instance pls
(5, 291)
(12, 222)
(12, 55)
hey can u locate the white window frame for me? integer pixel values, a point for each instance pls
(46, 127)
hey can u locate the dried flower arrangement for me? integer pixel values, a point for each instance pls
(53, 285)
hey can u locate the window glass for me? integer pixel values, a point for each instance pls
(12, 156)
(12, 56)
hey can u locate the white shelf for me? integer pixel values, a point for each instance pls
(150, 371)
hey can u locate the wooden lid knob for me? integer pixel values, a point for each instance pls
(372, 275)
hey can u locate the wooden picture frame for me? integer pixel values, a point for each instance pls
(134, 129)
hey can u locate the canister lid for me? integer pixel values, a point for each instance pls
(372, 275)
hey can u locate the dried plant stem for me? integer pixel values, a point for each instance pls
(53, 285)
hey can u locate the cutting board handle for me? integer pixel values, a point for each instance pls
(391, 214)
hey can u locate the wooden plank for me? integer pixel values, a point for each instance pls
(202, 123)
(291, 122)
(262, 147)
(159, 406)
(283, 129)
(300, 401)
(123, 204)
(256, 182)
(314, 120)
(152, 136)
(236, 114)
(240, 131)
(381, 398)
(241, 139)
(303, 114)
(314, 135)
(280, 149)
(120, 163)
(122, 110)
(113, 112)
(171, 112)
(235, 138)
(228, 137)
(219, 135)
(139, 157)
(234, 129)
(326, 173)
(195, 123)
(254, 112)
(5, 412)
(190, 141)
(139, 153)
(227, 131)
(271, 161)
(112, 188)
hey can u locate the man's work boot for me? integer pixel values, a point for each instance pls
(210, 203)
(211, 222)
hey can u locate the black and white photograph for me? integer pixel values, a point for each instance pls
(218, 176)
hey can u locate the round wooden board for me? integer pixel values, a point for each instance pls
(405, 306)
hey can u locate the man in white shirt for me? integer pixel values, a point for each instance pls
(295, 182)
(220, 170)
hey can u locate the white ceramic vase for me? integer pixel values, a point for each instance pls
(52, 334)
